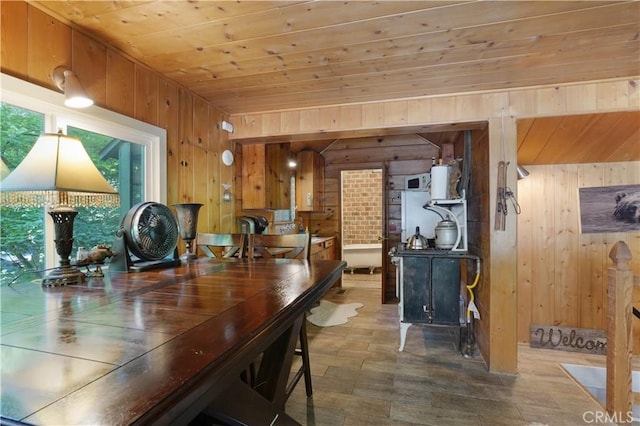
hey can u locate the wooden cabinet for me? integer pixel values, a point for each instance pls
(265, 177)
(310, 182)
(323, 248)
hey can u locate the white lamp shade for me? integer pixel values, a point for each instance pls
(57, 163)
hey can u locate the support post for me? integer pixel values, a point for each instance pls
(619, 291)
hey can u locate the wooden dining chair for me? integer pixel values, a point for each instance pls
(289, 246)
(221, 245)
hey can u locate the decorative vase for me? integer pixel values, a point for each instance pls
(187, 226)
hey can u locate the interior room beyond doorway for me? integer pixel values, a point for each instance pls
(362, 222)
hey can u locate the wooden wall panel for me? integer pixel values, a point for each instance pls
(564, 251)
(33, 44)
(329, 118)
(219, 143)
(89, 63)
(526, 252)
(48, 46)
(204, 177)
(146, 95)
(186, 148)
(120, 84)
(561, 272)
(395, 113)
(168, 118)
(479, 220)
(636, 321)
(13, 43)
(542, 302)
(591, 274)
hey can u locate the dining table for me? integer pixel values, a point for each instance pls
(163, 346)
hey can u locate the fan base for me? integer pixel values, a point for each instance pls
(154, 264)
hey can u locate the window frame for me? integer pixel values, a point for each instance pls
(95, 119)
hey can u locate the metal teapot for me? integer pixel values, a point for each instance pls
(417, 241)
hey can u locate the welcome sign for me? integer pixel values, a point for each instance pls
(569, 339)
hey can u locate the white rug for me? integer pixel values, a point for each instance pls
(328, 313)
(594, 380)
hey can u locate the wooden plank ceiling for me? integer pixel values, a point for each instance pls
(269, 55)
(261, 55)
(588, 138)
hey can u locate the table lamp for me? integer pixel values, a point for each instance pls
(58, 173)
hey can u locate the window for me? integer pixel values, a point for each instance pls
(130, 154)
(21, 232)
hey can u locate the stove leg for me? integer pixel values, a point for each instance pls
(404, 326)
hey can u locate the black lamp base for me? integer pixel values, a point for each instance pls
(63, 276)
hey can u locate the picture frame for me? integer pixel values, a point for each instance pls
(609, 209)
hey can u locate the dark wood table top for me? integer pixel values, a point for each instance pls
(148, 347)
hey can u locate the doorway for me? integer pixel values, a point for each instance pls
(362, 226)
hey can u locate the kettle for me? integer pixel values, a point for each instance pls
(417, 241)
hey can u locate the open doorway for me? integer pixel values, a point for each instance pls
(362, 226)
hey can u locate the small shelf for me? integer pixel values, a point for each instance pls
(457, 211)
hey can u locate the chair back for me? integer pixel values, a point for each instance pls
(289, 246)
(221, 245)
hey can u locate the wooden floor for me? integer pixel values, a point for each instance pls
(360, 378)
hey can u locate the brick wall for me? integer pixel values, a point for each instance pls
(361, 206)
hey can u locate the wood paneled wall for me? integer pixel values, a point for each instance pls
(33, 44)
(501, 109)
(397, 156)
(478, 232)
(562, 274)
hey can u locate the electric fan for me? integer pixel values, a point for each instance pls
(147, 239)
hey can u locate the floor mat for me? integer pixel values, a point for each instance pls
(328, 313)
(594, 380)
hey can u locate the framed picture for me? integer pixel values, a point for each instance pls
(609, 209)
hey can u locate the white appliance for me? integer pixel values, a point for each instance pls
(413, 214)
(418, 182)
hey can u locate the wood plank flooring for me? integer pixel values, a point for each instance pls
(360, 378)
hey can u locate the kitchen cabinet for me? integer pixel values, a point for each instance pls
(265, 176)
(323, 248)
(429, 289)
(310, 182)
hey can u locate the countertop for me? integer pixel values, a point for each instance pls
(319, 240)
